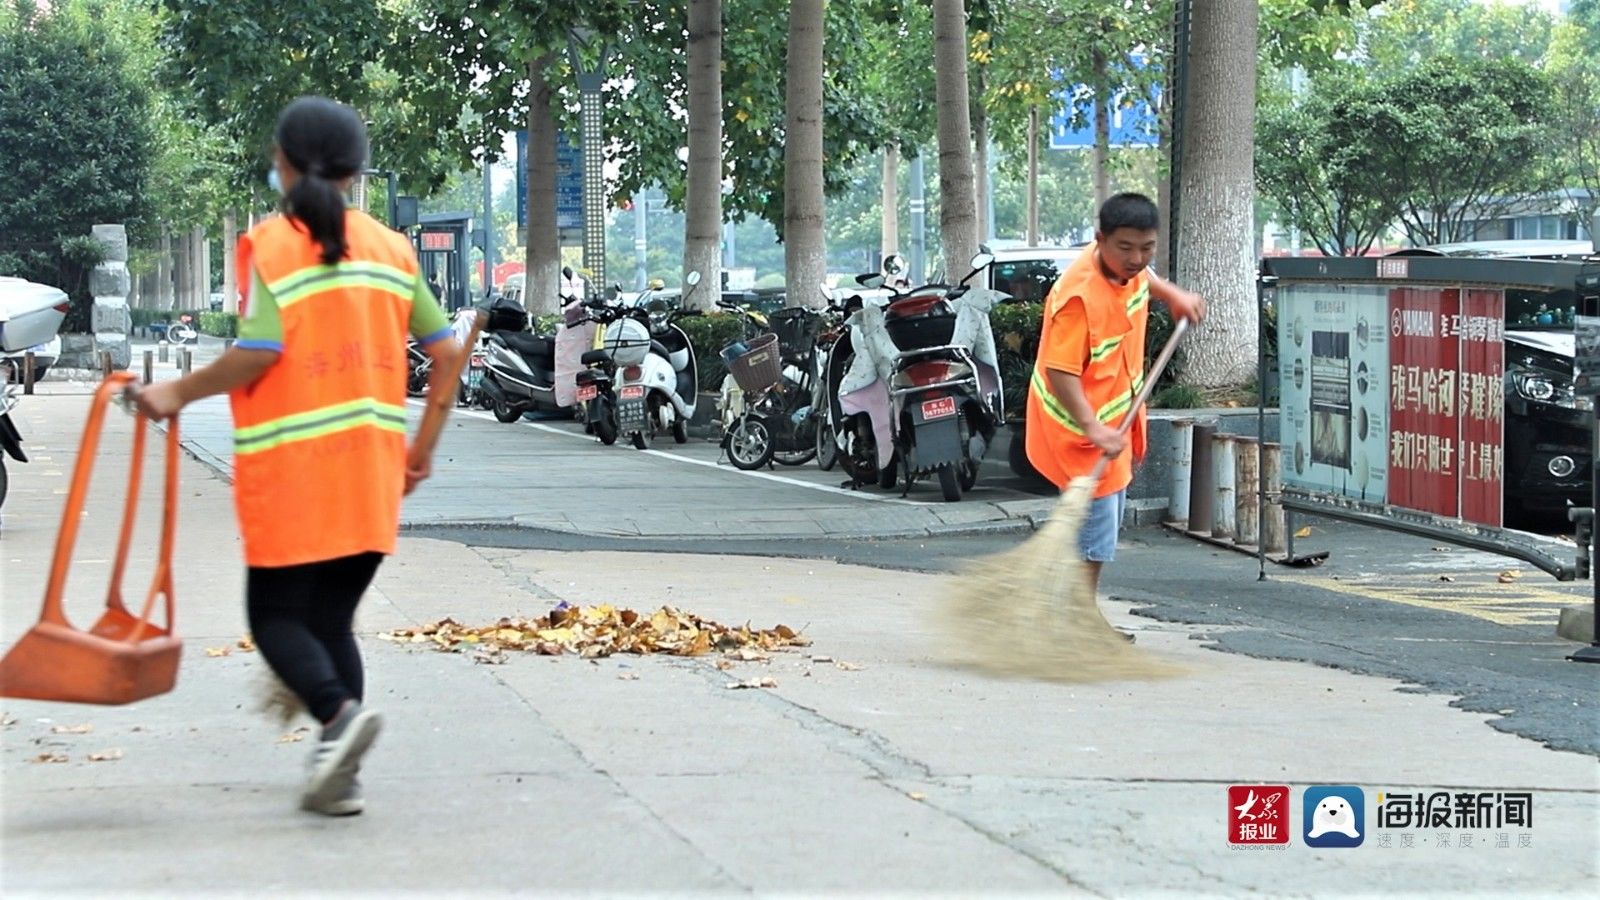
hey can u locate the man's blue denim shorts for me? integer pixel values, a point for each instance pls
(1098, 539)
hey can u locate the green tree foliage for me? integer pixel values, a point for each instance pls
(645, 113)
(1318, 161)
(242, 61)
(78, 144)
(1574, 66)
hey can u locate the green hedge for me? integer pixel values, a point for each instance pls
(219, 324)
(709, 334)
(145, 317)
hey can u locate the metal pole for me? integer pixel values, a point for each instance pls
(641, 242)
(1222, 513)
(1247, 491)
(186, 360)
(1591, 653)
(27, 372)
(1182, 472)
(149, 366)
(394, 199)
(1201, 493)
(105, 364)
(1266, 286)
(1272, 517)
(161, 351)
(488, 229)
(918, 207)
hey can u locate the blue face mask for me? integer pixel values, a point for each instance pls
(272, 180)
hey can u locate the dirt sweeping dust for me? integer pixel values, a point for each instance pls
(1030, 612)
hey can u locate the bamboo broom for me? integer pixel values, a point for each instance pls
(1031, 612)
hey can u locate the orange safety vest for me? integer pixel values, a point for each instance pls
(1112, 376)
(320, 439)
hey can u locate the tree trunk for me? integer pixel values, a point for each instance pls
(230, 272)
(163, 292)
(1033, 177)
(891, 203)
(1216, 240)
(980, 164)
(202, 286)
(702, 239)
(1102, 132)
(805, 257)
(543, 257)
(958, 219)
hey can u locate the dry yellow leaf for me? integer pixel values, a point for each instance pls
(1303, 532)
(105, 756)
(215, 652)
(752, 683)
(50, 758)
(291, 738)
(847, 666)
(1509, 576)
(628, 676)
(85, 728)
(917, 795)
(246, 644)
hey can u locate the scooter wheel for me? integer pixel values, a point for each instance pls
(641, 439)
(827, 450)
(969, 474)
(504, 413)
(889, 475)
(949, 483)
(750, 443)
(680, 431)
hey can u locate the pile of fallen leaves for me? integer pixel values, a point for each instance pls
(592, 632)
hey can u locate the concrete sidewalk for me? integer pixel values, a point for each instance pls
(548, 775)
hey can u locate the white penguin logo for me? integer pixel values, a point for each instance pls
(1334, 814)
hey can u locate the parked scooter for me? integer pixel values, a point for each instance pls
(520, 368)
(10, 438)
(658, 375)
(914, 384)
(778, 376)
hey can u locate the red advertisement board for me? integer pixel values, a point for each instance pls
(1446, 393)
(1481, 405)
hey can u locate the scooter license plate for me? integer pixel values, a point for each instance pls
(633, 392)
(631, 416)
(587, 392)
(940, 408)
(476, 362)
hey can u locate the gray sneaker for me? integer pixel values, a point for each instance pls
(332, 788)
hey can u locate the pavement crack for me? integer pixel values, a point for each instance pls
(506, 566)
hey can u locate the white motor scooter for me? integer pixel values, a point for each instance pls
(657, 373)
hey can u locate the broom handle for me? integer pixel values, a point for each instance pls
(1150, 380)
(435, 413)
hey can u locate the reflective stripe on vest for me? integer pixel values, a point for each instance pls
(317, 423)
(1055, 409)
(305, 283)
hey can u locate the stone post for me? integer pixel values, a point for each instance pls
(109, 320)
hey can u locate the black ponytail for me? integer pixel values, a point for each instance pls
(327, 143)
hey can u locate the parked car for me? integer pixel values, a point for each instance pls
(1547, 426)
(1026, 273)
(30, 317)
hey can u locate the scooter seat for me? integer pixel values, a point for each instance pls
(594, 357)
(538, 349)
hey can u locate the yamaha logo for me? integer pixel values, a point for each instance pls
(1395, 323)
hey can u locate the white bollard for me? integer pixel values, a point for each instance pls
(1182, 470)
(1222, 468)
(1247, 491)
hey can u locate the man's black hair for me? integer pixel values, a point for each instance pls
(1129, 210)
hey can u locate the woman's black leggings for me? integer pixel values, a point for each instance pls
(300, 618)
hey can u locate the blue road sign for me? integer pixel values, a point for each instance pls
(1134, 117)
(569, 182)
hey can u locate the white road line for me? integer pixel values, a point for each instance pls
(769, 476)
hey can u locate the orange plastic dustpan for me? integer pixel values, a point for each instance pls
(124, 657)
